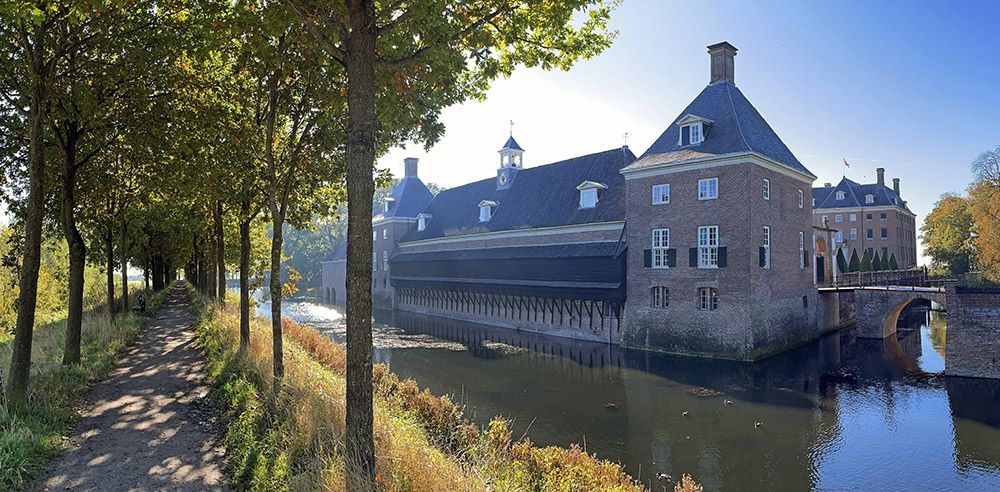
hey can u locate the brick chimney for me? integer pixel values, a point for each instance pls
(410, 167)
(722, 55)
(895, 186)
(881, 176)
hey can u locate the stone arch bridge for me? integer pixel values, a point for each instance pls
(878, 308)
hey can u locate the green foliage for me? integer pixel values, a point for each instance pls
(866, 262)
(947, 234)
(892, 262)
(877, 263)
(984, 208)
(841, 261)
(855, 264)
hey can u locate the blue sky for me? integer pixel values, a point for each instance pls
(908, 86)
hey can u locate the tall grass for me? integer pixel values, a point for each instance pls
(291, 438)
(29, 440)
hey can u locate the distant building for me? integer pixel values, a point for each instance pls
(870, 218)
(703, 245)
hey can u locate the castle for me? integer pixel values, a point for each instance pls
(702, 245)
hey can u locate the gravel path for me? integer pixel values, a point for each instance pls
(149, 425)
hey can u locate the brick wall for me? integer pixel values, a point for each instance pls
(900, 230)
(972, 347)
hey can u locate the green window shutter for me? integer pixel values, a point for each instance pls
(647, 258)
(671, 257)
(722, 256)
(693, 257)
(805, 254)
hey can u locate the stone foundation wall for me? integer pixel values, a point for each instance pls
(973, 344)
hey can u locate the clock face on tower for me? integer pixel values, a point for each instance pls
(503, 179)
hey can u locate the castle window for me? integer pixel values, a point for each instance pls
(374, 262)
(839, 237)
(870, 234)
(422, 221)
(708, 247)
(854, 234)
(660, 244)
(802, 249)
(588, 193)
(885, 233)
(486, 210)
(385, 261)
(385, 233)
(708, 298)
(691, 134)
(840, 195)
(765, 250)
(854, 217)
(767, 189)
(801, 199)
(661, 194)
(882, 216)
(869, 199)
(659, 296)
(388, 203)
(868, 216)
(838, 218)
(708, 188)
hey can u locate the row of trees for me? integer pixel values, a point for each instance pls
(962, 232)
(151, 134)
(866, 262)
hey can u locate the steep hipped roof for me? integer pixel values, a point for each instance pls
(339, 252)
(735, 127)
(854, 196)
(542, 196)
(511, 144)
(409, 197)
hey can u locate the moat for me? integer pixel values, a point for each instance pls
(832, 415)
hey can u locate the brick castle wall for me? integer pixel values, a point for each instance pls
(972, 347)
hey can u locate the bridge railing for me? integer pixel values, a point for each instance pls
(914, 277)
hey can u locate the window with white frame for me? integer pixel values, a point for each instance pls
(854, 234)
(374, 235)
(385, 261)
(696, 134)
(767, 247)
(661, 194)
(660, 244)
(486, 210)
(853, 217)
(708, 188)
(838, 218)
(883, 216)
(801, 199)
(659, 296)
(374, 262)
(767, 189)
(708, 298)
(691, 134)
(708, 246)
(385, 233)
(422, 221)
(839, 237)
(840, 195)
(869, 199)
(802, 249)
(588, 198)
(870, 234)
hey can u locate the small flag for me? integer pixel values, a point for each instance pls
(846, 164)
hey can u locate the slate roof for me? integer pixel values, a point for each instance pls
(736, 127)
(542, 196)
(410, 197)
(339, 252)
(511, 144)
(854, 196)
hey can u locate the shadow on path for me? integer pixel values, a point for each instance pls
(148, 426)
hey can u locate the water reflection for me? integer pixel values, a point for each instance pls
(840, 413)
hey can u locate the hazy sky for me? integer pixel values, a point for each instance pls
(913, 87)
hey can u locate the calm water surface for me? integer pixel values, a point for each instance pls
(839, 414)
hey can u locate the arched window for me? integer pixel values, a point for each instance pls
(659, 296)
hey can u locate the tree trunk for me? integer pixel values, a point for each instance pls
(275, 288)
(20, 362)
(145, 272)
(220, 252)
(245, 275)
(77, 256)
(109, 250)
(210, 264)
(362, 123)
(125, 305)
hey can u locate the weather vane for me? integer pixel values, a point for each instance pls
(512, 128)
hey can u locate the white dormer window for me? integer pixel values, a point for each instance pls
(388, 203)
(486, 210)
(588, 193)
(692, 130)
(869, 199)
(422, 221)
(841, 195)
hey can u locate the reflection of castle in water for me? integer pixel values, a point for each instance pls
(797, 392)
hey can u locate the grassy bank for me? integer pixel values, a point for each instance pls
(292, 439)
(29, 441)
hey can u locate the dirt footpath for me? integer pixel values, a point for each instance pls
(148, 426)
